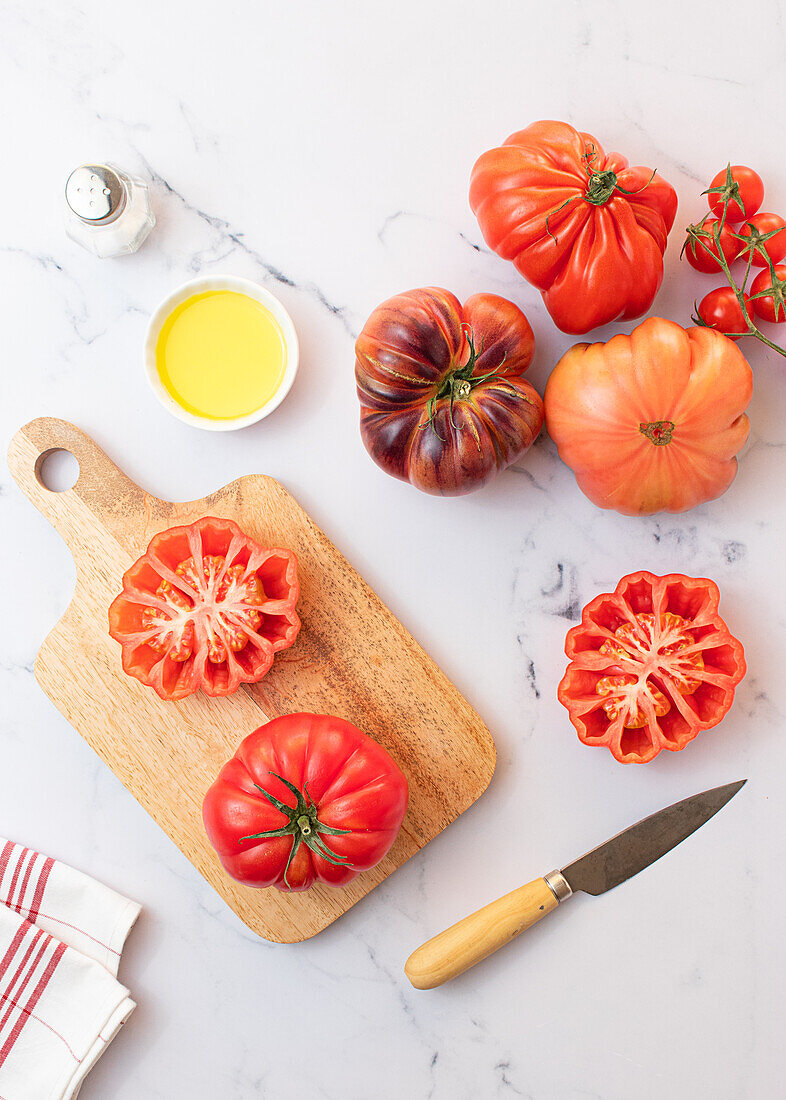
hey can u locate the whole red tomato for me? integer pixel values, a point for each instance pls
(443, 399)
(772, 305)
(651, 665)
(742, 187)
(205, 608)
(720, 310)
(582, 226)
(765, 232)
(651, 422)
(696, 251)
(307, 798)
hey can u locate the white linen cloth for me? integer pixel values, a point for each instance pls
(61, 936)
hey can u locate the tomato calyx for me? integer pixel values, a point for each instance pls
(775, 290)
(752, 242)
(601, 186)
(729, 191)
(303, 826)
(712, 230)
(458, 384)
(659, 432)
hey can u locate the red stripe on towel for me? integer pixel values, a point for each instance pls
(35, 997)
(43, 878)
(13, 946)
(20, 899)
(22, 975)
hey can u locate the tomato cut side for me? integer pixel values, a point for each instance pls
(640, 642)
(205, 608)
(651, 665)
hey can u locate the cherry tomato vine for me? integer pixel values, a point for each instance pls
(707, 235)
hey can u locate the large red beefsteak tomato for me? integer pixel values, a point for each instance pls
(582, 226)
(653, 421)
(307, 798)
(651, 665)
(443, 399)
(206, 607)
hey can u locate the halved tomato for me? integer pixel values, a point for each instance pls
(651, 664)
(205, 608)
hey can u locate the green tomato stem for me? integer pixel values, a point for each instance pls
(303, 826)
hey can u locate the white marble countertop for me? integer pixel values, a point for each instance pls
(325, 150)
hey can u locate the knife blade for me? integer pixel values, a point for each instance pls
(475, 937)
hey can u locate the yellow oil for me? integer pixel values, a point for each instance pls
(221, 355)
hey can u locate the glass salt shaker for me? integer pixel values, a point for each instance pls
(107, 211)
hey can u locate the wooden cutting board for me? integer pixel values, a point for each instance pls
(352, 658)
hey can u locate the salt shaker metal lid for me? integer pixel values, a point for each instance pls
(96, 193)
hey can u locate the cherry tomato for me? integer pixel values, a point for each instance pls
(746, 186)
(697, 255)
(771, 307)
(720, 310)
(759, 226)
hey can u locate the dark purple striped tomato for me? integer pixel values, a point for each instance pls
(443, 400)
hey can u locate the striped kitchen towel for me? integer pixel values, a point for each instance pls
(83, 913)
(61, 934)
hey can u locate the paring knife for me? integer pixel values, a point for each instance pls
(477, 936)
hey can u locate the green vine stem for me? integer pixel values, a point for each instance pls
(753, 243)
(303, 826)
(458, 384)
(600, 186)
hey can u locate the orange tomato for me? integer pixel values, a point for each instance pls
(651, 422)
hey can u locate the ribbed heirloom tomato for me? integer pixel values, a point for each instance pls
(581, 225)
(443, 399)
(653, 421)
(307, 798)
(205, 608)
(651, 665)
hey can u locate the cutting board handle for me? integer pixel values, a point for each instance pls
(99, 479)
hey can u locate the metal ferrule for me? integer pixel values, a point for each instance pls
(558, 884)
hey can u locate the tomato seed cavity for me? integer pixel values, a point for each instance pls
(659, 649)
(228, 595)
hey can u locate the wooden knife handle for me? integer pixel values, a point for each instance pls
(478, 935)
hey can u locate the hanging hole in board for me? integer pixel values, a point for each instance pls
(57, 470)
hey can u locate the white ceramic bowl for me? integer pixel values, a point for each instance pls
(240, 286)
